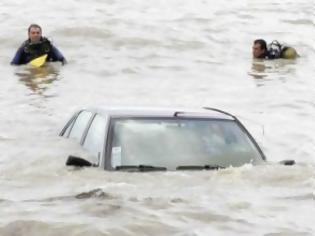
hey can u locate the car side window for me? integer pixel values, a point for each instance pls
(80, 125)
(68, 127)
(95, 138)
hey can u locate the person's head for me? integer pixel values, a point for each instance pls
(34, 33)
(259, 48)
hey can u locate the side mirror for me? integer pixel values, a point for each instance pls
(77, 161)
(287, 162)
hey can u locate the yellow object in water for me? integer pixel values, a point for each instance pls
(289, 53)
(39, 61)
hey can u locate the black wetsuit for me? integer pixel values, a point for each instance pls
(29, 51)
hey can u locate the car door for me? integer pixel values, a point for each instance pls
(94, 140)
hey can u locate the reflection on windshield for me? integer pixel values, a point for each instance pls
(38, 79)
(179, 142)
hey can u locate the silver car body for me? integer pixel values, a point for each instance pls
(165, 137)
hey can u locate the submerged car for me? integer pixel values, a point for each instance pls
(143, 139)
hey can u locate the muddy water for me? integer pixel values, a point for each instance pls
(157, 53)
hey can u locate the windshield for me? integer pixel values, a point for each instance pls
(174, 142)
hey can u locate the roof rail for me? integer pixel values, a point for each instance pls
(218, 110)
(176, 113)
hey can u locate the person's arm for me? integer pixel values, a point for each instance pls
(17, 60)
(56, 55)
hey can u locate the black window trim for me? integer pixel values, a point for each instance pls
(87, 127)
(69, 124)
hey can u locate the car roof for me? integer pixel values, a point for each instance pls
(161, 112)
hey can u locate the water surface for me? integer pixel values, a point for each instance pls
(158, 53)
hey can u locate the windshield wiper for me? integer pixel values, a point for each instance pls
(205, 167)
(141, 168)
